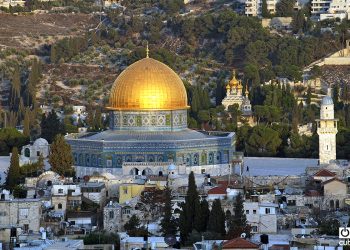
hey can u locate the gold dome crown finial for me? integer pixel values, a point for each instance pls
(234, 81)
(147, 50)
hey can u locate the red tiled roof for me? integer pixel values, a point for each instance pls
(218, 190)
(324, 173)
(239, 243)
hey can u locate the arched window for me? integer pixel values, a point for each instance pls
(331, 204)
(27, 152)
(59, 206)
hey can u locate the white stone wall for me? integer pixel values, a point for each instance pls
(257, 216)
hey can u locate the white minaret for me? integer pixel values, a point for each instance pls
(327, 130)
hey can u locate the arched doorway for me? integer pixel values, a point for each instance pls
(331, 204)
(337, 204)
(147, 171)
(134, 171)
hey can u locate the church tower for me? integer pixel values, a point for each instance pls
(327, 130)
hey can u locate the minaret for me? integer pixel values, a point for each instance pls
(327, 130)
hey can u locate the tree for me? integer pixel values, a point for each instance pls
(263, 141)
(264, 11)
(216, 221)
(26, 129)
(203, 217)
(133, 227)
(168, 223)
(238, 222)
(285, 8)
(50, 126)
(61, 158)
(13, 173)
(298, 21)
(190, 209)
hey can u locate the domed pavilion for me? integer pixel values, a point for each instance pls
(148, 129)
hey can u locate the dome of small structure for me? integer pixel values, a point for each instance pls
(171, 167)
(40, 142)
(327, 100)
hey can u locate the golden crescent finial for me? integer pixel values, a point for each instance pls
(147, 50)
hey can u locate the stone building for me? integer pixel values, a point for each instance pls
(20, 214)
(261, 216)
(94, 191)
(65, 197)
(112, 217)
(30, 153)
(327, 131)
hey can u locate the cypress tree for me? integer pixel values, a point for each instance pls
(203, 217)
(26, 129)
(238, 223)
(216, 221)
(15, 90)
(13, 173)
(264, 11)
(50, 126)
(60, 158)
(190, 209)
(168, 223)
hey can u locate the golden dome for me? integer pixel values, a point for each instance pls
(148, 85)
(234, 81)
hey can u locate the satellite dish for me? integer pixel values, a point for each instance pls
(41, 229)
(243, 235)
(170, 240)
(41, 192)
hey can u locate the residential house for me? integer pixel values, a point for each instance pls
(261, 216)
(65, 197)
(23, 215)
(94, 191)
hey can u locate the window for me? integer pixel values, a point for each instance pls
(126, 211)
(109, 163)
(72, 222)
(111, 214)
(37, 153)
(3, 213)
(24, 212)
(60, 191)
(247, 211)
(125, 190)
(267, 211)
(254, 211)
(25, 228)
(59, 206)
(254, 229)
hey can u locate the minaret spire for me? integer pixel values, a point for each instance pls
(147, 50)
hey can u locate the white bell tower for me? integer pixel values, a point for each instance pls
(327, 130)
